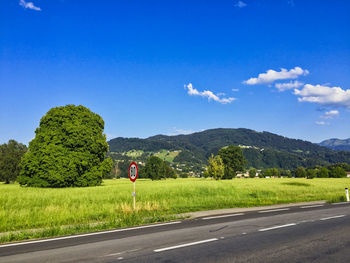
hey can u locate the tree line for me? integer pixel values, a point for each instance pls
(70, 149)
(332, 171)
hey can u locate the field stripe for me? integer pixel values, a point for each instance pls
(310, 206)
(88, 234)
(331, 217)
(276, 227)
(186, 245)
(213, 217)
(274, 210)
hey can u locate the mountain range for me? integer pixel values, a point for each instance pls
(261, 149)
(337, 144)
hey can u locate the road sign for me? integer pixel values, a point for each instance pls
(133, 171)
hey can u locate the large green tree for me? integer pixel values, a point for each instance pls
(10, 157)
(233, 160)
(69, 149)
(157, 169)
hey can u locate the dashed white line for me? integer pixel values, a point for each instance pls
(186, 245)
(213, 217)
(340, 203)
(88, 234)
(274, 210)
(114, 254)
(276, 227)
(331, 217)
(310, 206)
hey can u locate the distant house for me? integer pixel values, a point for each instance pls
(348, 174)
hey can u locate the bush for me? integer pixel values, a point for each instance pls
(10, 157)
(69, 149)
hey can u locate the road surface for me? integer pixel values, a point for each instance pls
(314, 233)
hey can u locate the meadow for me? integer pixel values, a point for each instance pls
(40, 212)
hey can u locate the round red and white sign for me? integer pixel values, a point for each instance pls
(133, 171)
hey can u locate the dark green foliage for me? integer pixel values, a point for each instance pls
(69, 149)
(252, 173)
(345, 166)
(233, 160)
(285, 173)
(267, 150)
(323, 172)
(300, 172)
(10, 157)
(337, 172)
(188, 157)
(311, 173)
(271, 172)
(157, 169)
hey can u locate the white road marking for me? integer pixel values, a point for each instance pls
(119, 253)
(186, 245)
(274, 210)
(310, 206)
(276, 227)
(341, 203)
(88, 234)
(213, 217)
(331, 217)
(114, 254)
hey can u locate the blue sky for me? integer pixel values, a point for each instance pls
(170, 67)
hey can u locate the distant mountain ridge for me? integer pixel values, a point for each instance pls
(337, 144)
(261, 149)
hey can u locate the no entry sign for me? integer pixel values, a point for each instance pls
(133, 171)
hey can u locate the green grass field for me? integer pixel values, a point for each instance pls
(35, 212)
(167, 156)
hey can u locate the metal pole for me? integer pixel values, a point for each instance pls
(347, 194)
(134, 195)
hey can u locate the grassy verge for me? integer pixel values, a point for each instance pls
(34, 212)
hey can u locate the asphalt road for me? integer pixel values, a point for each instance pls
(318, 233)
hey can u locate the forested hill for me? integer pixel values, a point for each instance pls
(337, 144)
(261, 149)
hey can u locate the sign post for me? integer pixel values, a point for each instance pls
(133, 173)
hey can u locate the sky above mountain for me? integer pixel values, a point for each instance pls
(171, 67)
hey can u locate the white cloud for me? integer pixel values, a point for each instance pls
(333, 96)
(235, 90)
(321, 123)
(330, 114)
(29, 5)
(177, 131)
(240, 4)
(290, 85)
(208, 94)
(272, 75)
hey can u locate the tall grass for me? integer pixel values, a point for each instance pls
(37, 212)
